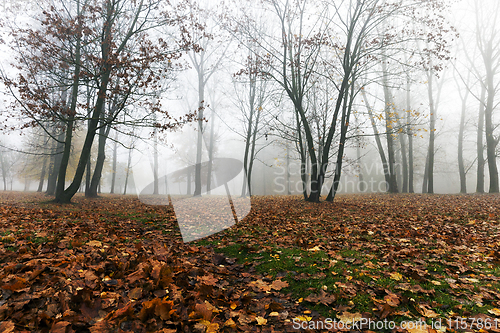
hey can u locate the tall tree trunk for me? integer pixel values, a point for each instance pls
(246, 155)
(66, 196)
(410, 137)
(344, 126)
(378, 141)
(55, 163)
(4, 170)
(404, 158)
(101, 158)
(27, 183)
(389, 125)
(199, 142)
(479, 143)
(287, 169)
(42, 174)
(155, 163)
(361, 181)
(304, 170)
(127, 171)
(432, 133)
(71, 113)
(461, 132)
(113, 175)
(211, 152)
(491, 141)
(252, 153)
(425, 182)
(61, 177)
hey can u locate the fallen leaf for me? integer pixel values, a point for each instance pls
(396, 276)
(349, 318)
(279, 284)
(261, 320)
(94, 243)
(426, 311)
(495, 311)
(7, 326)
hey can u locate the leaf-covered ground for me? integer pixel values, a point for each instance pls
(115, 265)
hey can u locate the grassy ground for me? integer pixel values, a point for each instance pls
(288, 264)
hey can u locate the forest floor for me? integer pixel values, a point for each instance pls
(364, 263)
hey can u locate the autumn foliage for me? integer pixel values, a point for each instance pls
(115, 265)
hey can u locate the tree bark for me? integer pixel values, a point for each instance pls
(461, 132)
(479, 144)
(113, 175)
(42, 174)
(211, 152)
(410, 137)
(344, 126)
(404, 157)
(155, 163)
(4, 170)
(432, 132)
(55, 163)
(491, 141)
(127, 171)
(101, 158)
(389, 125)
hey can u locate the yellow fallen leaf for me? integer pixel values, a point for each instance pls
(303, 318)
(396, 276)
(261, 320)
(315, 249)
(274, 314)
(230, 323)
(212, 328)
(495, 311)
(370, 265)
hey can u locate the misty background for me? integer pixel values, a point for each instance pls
(406, 91)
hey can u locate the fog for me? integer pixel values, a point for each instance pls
(402, 99)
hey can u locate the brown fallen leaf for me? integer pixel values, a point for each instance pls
(350, 318)
(322, 298)
(426, 311)
(7, 326)
(135, 293)
(279, 284)
(60, 327)
(260, 285)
